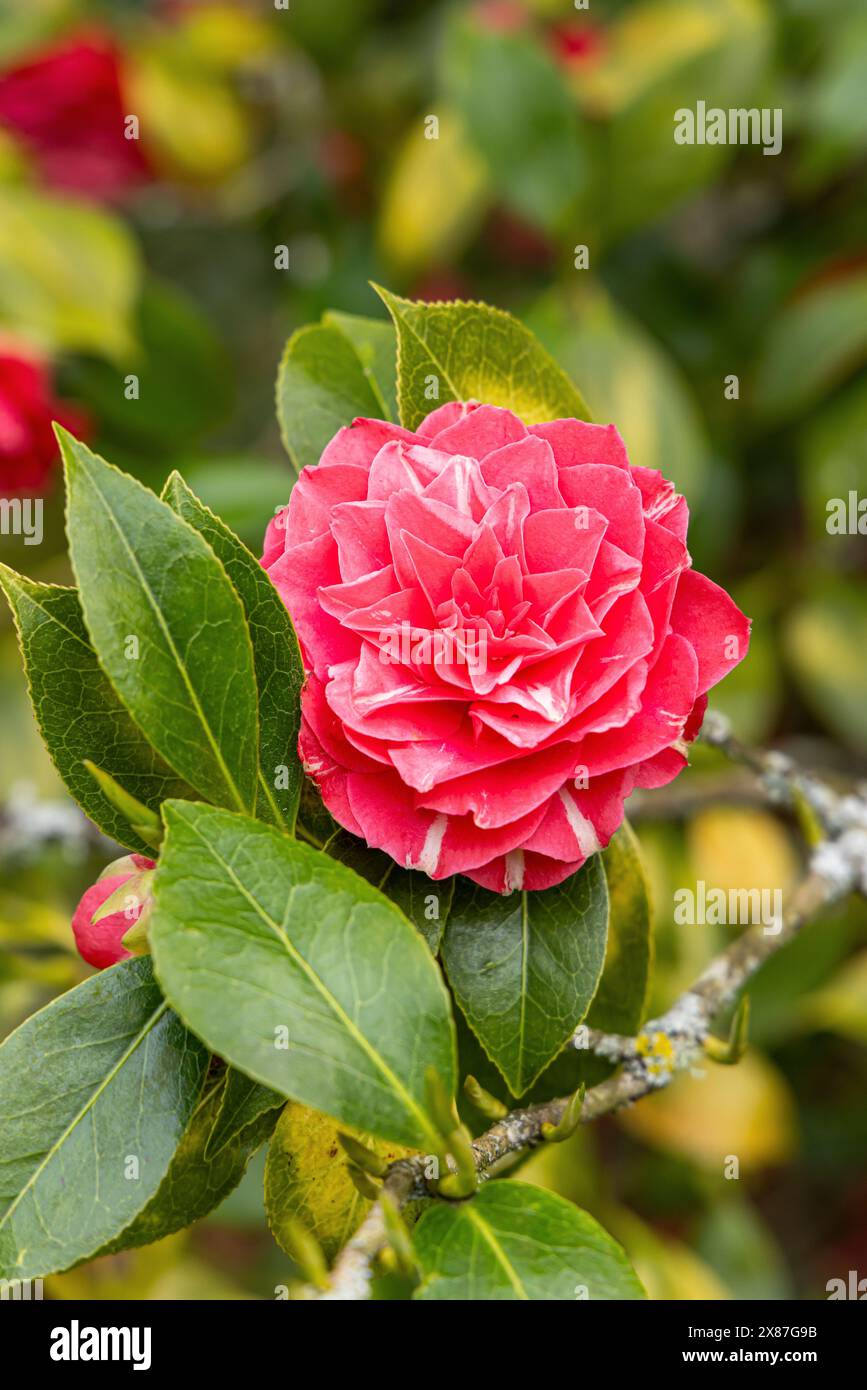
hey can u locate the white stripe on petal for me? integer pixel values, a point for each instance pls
(583, 829)
(430, 854)
(514, 871)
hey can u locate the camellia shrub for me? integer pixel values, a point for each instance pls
(378, 889)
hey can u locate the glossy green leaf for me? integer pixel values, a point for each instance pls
(276, 658)
(458, 352)
(201, 1174)
(167, 626)
(243, 1103)
(517, 1243)
(331, 372)
(63, 676)
(525, 966)
(619, 1003)
(375, 345)
(96, 1092)
(316, 825)
(425, 902)
(335, 1001)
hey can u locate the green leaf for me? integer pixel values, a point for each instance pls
(426, 903)
(199, 1176)
(375, 345)
(242, 1103)
(474, 352)
(167, 626)
(276, 657)
(814, 344)
(335, 1001)
(69, 274)
(659, 56)
(619, 1003)
(242, 489)
(317, 824)
(330, 373)
(524, 967)
(103, 1075)
(515, 1242)
(307, 1180)
(519, 115)
(64, 677)
(182, 375)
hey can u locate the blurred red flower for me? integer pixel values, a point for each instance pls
(573, 43)
(66, 106)
(28, 449)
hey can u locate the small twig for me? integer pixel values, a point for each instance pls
(784, 782)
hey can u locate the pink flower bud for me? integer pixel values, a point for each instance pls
(98, 932)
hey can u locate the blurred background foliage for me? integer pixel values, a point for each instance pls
(307, 128)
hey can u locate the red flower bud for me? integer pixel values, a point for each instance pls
(99, 932)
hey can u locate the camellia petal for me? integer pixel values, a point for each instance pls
(504, 638)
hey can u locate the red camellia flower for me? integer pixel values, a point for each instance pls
(503, 635)
(28, 448)
(100, 941)
(66, 106)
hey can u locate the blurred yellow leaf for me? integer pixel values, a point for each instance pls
(841, 1007)
(192, 121)
(24, 921)
(434, 198)
(69, 274)
(224, 36)
(130, 1274)
(825, 640)
(733, 848)
(745, 1111)
(646, 45)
